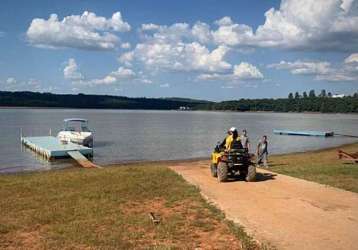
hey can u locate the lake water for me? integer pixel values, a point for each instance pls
(123, 135)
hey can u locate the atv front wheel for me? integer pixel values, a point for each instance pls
(251, 173)
(222, 171)
(213, 170)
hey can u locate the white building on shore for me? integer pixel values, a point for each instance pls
(338, 96)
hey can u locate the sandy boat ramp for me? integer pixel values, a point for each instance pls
(287, 212)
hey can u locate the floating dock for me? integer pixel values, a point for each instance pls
(51, 148)
(303, 133)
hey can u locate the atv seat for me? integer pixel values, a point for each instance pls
(236, 145)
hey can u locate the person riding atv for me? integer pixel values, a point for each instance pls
(229, 139)
(230, 157)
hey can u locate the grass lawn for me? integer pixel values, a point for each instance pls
(108, 209)
(321, 166)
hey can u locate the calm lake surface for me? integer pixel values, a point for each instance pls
(123, 135)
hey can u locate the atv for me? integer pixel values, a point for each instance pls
(232, 162)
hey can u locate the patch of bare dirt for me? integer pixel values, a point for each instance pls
(22, 240)
(190, 224)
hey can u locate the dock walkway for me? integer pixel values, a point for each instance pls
(51, 147)
(303, 133)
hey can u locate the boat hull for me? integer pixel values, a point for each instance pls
(81, 138)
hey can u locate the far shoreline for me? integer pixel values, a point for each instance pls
(193, 110)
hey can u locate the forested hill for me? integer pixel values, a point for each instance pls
(325, 103)
(297, 103)
(34, 99)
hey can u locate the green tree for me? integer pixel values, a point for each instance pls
(290, 96)
(312, 94)
(323, 108)
(329, 94)
(305, 94)
(323, 93)
(297, 95)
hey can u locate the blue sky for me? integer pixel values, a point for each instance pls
(206, 49)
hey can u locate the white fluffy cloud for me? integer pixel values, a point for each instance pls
(179, 56)
(204, 48)
(150, 26)
(125, 45)
(201, 32)
(123, 73)
(347, 71)
(164, 85)
(304, 67)
(306, 24)
(178, 47)
(86, 31)
(247, 71)
(241, 72)
(352, 58)
(181, 47)
(71, 72)
(11, 81)
(232, 34)
(13, 84)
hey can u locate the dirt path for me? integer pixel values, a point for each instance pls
(287, 212)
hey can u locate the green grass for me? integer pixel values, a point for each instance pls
(320, 166)
(108, 209)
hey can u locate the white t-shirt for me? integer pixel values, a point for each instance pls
(244, 141)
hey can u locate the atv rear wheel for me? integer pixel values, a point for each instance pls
(251, 173)
(213, 170)
(222, 171)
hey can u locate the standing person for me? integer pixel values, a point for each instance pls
(262, 152)
(245, 140)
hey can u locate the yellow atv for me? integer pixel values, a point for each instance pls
(232, 162)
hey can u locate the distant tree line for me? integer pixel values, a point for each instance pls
(35, 99)
(324, 102)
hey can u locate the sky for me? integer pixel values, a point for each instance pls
(203, 49)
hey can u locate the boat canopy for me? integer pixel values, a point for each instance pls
(75, 120)
(70, 125)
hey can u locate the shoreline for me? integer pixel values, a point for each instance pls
(197, 110)
(199, 159)
(169, 162)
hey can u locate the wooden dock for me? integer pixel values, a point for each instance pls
(303, 133)
(83, 161)
(51, 148)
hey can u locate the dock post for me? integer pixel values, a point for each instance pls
(50, 132)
